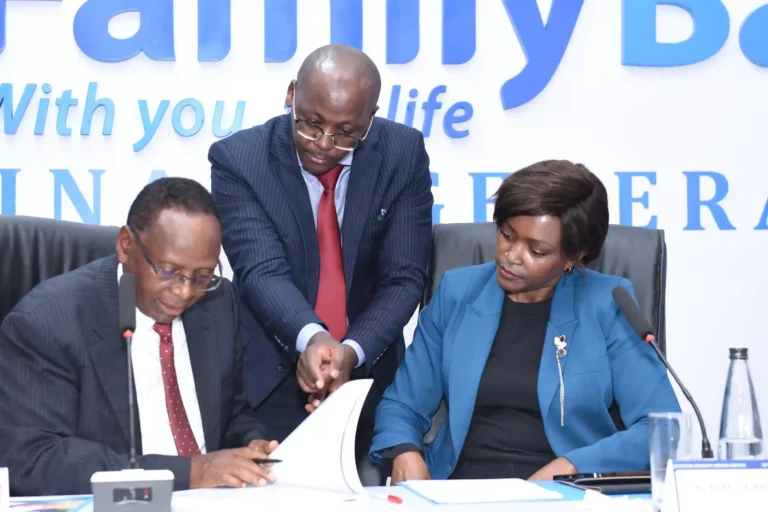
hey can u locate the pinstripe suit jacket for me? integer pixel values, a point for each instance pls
(271, 242)
(64, 393)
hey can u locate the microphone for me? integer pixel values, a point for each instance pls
(643, 328)
(132, 489)
(127, 322)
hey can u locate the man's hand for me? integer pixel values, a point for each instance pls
(232, 468)
(559, 466)
(324, 367)
(409, 466)
(348, 362)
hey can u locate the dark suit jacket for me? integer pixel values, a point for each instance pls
(271, 242)
(64, 383)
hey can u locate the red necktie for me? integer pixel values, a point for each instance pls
(331, 305)
(185, 441)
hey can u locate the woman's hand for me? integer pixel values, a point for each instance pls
(409, 466)
(559, 466)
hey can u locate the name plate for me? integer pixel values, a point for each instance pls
(5, 491)
(695, 485)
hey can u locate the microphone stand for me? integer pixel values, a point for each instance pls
(132, 464)
(706, 448)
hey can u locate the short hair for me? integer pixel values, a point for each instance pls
(174, 193)
(559, 188)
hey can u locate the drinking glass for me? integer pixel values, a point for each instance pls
(670, 439)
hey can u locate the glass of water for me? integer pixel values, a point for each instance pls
(670, 439)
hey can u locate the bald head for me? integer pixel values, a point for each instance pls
(339, 68)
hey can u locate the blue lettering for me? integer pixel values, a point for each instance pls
(150, 126)
(199, 117)
(480, 193)
(12, 119)
(436, 208)
(544, 46)
(459, 31)
(214, 29)
(347, 23)
(429, 107)
(63, 103)
(402, 33)
(281, 19)
(695, 203)
(154, 37)
(458, 113)
(237, 122)
(762, 224)
(3, 4)
(63, 181)
(394, 99)
(156, 175)
(410, 107)
(753, 37)
(91, 104)
(42, 111)
(2, 25)
(627, 199)
(8, 191)
(711, 25)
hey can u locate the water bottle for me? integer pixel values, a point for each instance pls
(740, 434)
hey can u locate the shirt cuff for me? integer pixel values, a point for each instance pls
(391, 453)
(305, 334)
(358, 351)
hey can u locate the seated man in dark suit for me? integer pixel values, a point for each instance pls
(327, 218)
(63, 361)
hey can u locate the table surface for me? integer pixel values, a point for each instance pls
(377, 502)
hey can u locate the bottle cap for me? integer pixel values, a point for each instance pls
(738, 353)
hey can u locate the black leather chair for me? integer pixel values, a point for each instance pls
(637, 254)
(34, 249)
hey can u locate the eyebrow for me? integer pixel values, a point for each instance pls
(533, 240)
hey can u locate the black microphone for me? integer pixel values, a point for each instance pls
(127, 316)
(643, 328)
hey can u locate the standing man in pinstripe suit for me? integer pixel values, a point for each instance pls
(326, 216)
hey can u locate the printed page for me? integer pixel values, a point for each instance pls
(320, 453)
(480, 491)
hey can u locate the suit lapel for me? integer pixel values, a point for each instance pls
(473, 341)
(108, 350)
(285, 166)
(562, 322)
(203, 357)
(363, 178)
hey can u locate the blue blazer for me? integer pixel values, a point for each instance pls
(605, 361)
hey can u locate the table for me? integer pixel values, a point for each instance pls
(574, 501)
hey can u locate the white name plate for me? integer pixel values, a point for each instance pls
(5, 491)
(695, 485)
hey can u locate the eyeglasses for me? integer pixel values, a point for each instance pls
(171, 278)
(311, 131)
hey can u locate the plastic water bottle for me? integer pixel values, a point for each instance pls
(741, 436)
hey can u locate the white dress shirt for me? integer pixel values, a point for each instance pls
(315, 189)
(156, 435)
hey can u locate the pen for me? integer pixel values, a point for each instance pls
(390, 498)
(267, 461)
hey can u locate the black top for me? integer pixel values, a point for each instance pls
(506, 436)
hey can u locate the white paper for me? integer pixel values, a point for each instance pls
(320, 453)
(480, 491)
(272, 497)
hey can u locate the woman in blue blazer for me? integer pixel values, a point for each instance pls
(529, 352)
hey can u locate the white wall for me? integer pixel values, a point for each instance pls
(709, 116)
